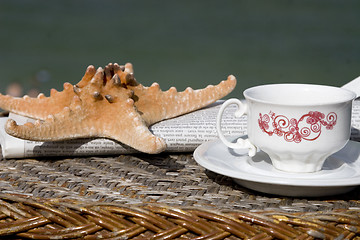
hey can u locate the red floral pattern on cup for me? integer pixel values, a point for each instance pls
(308, 127)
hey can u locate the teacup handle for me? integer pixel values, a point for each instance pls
(240, 143)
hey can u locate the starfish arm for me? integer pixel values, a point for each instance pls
(60, 126)
(40, 107)
(156, 105)
(130, 129)
(48, 130)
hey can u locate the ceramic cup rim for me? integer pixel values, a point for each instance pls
(344, 94)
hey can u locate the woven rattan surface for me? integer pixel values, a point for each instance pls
(168, 187)
(175, 180)
(61, 219)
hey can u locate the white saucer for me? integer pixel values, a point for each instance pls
(340, 173)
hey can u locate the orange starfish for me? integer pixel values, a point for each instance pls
(107, 103)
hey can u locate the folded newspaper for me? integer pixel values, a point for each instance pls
(181, 134)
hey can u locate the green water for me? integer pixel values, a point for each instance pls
(180, 43)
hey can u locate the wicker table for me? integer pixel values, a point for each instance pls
(166, 196)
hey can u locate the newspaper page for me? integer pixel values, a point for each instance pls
(181, 134)
(355, 121)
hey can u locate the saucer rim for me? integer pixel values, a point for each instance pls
(273, 180)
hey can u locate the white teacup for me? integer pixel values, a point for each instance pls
(297, 125)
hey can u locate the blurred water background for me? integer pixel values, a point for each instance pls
(180, 43)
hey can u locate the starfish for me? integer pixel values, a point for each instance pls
(107, 103)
